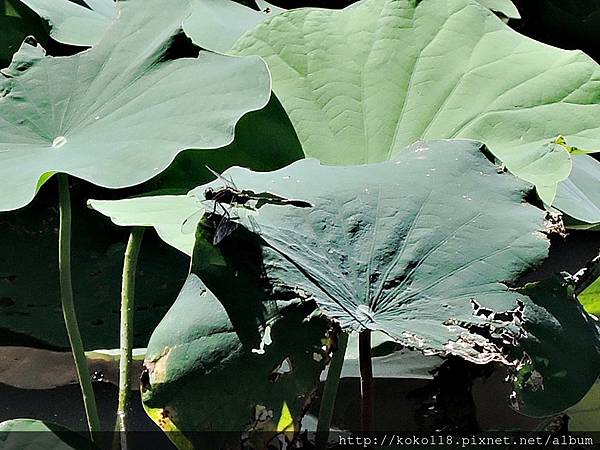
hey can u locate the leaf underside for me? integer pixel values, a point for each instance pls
(385, 243)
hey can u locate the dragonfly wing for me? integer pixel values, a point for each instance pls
(190, 224)
(221, 177)
(255, 228)
(224, 229)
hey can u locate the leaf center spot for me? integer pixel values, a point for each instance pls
(365, 314)
(59, 141)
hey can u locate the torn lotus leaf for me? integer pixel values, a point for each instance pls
(554, 224)
(477, 349)
(265, 340)
(514, 316)
(535, 381)
(372, 259)
(283, 368)
(432, 268)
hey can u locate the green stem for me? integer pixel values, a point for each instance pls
(68, 307)
(366, 380)
(330, 393)
(127, 309)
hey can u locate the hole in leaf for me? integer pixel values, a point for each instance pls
(282, 368)
(266, 340)
(145, 380)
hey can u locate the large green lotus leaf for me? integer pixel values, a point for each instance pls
(31, 434)
(579, 195)
(563, 348)
(118, 114)
(73, 23)
(385, 243)
(590, 298)
(30, 312)
(362, 83)
(421, 248)
(264, 140)
(232, 364)
(213, 24)
(217, 24)
(423, 216)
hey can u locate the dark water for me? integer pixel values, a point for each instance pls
(399, 403)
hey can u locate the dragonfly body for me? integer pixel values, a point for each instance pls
(227, 195)
(234, 197)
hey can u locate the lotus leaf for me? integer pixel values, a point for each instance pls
(212, 24)
(384, 244)
(579, 195)
(254, 364)
(30, 434)
(73, 23)
(118, 114)
(362, 83)
(421, 248)
(562, 348)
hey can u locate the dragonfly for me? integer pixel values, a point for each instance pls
(229, 197)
